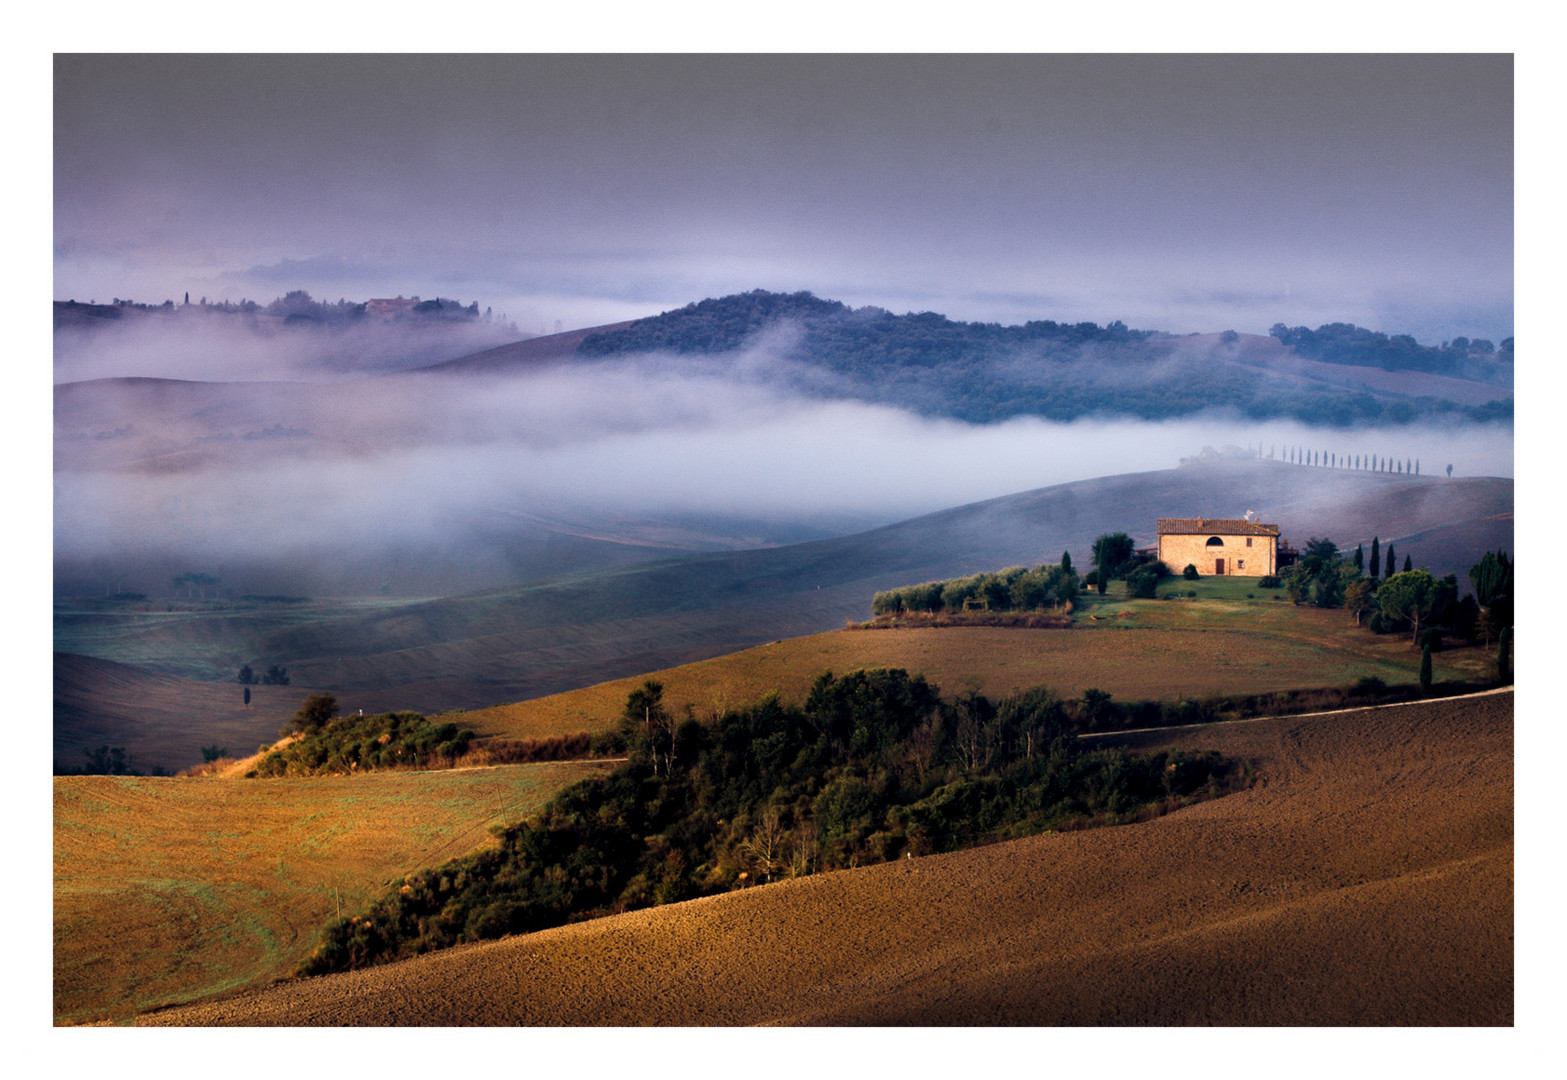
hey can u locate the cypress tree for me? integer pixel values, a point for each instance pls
(1392, 564)
(1376, 557)
(1408, 565)
(1066, 562)
(1360, 559)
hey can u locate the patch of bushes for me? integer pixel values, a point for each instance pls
(1017, 588)
(874, 765)
(1268, 581)
(351, 744)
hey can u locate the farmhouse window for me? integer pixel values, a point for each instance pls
(1214, 541)
(1248, 541)
(1240, 564)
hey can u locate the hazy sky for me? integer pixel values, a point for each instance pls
(1178, 192)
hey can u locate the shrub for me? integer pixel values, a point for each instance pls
(316, 713)
(1268, 581)
(1190, 573)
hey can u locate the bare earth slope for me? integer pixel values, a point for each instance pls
(1367, 880)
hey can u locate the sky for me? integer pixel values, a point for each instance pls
(1181, 192)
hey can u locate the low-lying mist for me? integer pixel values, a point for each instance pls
(190, 344)
(424, 483)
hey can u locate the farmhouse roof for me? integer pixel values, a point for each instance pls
(1213, 526)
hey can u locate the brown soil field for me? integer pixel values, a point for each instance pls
(172, 890)
(1161, 649)
(162, 720)
(1367, 879)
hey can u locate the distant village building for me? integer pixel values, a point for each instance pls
(390, 309)
(1219, 546)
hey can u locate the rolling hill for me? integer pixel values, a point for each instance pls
(509, 644)
(555, 634)
(1367, 880)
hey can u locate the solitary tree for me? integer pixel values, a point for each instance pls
(247, 695)
(1066, 562)
(1376, 555)
(247, 677)
(1392, 564)
(1408, 564)
(317, 711)
(649, 725)
(1408, 596)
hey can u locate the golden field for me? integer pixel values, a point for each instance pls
(1167, 649)
(1367, 880)
(169, 890)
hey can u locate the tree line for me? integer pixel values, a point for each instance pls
(873, 765)
(986, 372)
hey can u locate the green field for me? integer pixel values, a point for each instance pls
(172, 890)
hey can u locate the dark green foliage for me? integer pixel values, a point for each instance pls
(1268, 581)
(1112, 551)
(1504, 656)
(247, 677)
(1016, 588)
(872, 766)
(275, 676)
(985, 372)
(1407, 599)
(1143, 583)
(357, 743)
(314, 714)
(1344, 343)
(1376, 565)
(213, 752)
(1425, 669)
(1408, 564)
(1190, 573)
(1492, 578)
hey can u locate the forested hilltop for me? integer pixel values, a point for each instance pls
(983, 372)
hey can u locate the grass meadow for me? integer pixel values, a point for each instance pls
(171, 890)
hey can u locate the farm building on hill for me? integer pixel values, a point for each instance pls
(1219, 545)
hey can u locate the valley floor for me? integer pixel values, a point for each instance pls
(1367, 880)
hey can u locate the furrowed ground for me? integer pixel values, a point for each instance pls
(172, 890)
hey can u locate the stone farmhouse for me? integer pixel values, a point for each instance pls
(1221, 546)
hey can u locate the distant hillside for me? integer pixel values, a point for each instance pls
(161, 719)
(984, 372)
(509, 644)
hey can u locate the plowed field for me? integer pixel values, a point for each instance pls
(1367, 880)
